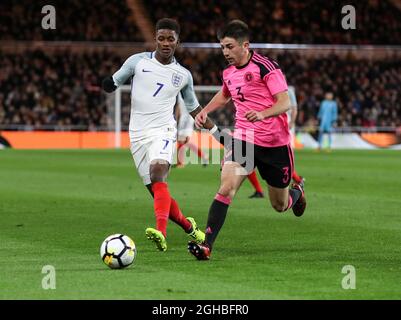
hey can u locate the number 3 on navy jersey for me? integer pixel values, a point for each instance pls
(160, 86)
(241, 95)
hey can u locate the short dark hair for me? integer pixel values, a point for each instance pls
(167, 23)
(236, 29)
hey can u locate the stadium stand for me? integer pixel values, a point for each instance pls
(285, 21)
(58, 89)
(77, 20)
(61, 88)
(367, 89)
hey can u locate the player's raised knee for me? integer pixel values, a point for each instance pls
(227, 190)
(279, 206)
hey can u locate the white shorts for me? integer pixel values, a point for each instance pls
(160, 146)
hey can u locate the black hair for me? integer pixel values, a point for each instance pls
(236, 29)
(167, 23)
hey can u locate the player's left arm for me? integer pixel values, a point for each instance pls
(281, 105)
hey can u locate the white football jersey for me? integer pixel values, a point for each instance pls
(154, 90)
(293, 101)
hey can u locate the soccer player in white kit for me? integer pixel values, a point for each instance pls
(292, 116)
(292, 113)
(185, 129)
(156, 81)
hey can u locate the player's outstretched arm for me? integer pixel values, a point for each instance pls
(221, 136)
(202, 120)
(219, 100)
(126, 71)
(207, 123)
(108, 85)
(200, 115)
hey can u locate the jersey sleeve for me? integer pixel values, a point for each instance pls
(225, 91)
(188, 94)
(275, 82)
(127, 70)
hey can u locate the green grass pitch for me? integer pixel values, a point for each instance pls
(56, 207)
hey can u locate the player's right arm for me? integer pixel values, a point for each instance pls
(192, 104)
(202, 120)
(194, 109)
(218, 101)
(126, 71)
(110, 84)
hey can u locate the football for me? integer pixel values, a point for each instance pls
(118, 251)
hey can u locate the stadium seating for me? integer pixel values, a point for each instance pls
(59, 88)
(367, 90)
(42, 89)
(78, 20)
(285, 21)
(282, 21)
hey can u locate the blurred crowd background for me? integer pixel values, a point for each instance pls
(55, 85)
